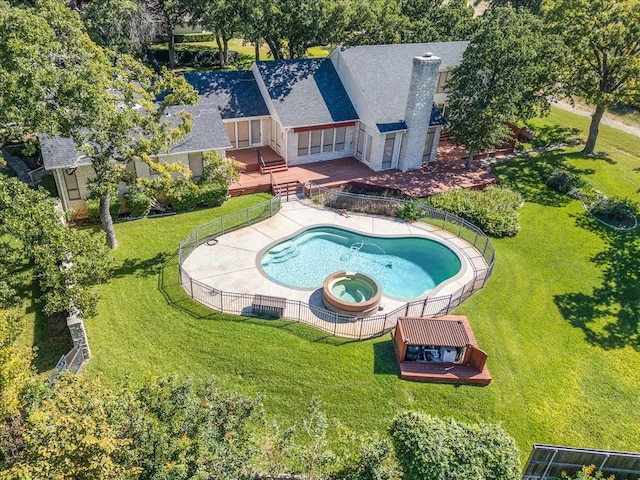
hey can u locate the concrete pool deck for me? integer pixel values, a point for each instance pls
(231, 265)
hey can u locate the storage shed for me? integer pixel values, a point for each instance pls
(440, 349)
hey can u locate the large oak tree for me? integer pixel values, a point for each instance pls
(603, 62)
(507, 74)
(132, 125)
(51, 74)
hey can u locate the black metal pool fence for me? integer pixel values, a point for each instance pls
(263, 305)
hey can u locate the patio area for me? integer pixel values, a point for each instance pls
(446, 173)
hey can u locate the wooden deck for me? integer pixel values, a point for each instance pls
(446, 173)
(442, 372)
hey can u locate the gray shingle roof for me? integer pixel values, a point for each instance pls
(306, 92)
(382, 73)
(207, 133)
(59, 152)
(235, 93)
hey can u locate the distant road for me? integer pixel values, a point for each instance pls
(606, 120)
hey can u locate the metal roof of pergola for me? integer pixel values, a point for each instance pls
(434, 331)
(548, 462)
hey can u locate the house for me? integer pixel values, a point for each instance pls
(376, 103)
(72, 170)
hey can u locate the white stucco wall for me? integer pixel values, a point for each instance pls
(440, 98)
(83, 174)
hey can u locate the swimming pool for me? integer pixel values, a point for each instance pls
(405, 267)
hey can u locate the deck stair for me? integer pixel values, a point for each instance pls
(273, 166)
(287, 189)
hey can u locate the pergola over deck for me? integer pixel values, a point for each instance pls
(446, 331)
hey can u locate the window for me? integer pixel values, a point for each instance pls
(303, 143)
(360, 145)
(428, 146)
(387, 156)
(367, 152)
(231, 133)
(327, 142)
(341, 133)
(256, 132)
(243, 134)
(443, 79)
(196, 165)
(274, 133)
(71, 181)
(316, 141)
(277, 137)
(246, 133)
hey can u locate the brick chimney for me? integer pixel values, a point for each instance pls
(424, 79)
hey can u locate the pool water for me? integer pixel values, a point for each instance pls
(405, 267)
(351, 291)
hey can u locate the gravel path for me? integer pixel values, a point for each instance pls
(606, 120)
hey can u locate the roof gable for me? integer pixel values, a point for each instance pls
(59, 152)
(382, 73)
(234, 93)
(306, 92)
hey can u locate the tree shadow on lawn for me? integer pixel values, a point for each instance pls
(51, 336)
(553, 135)
(526, 175)
(170, 287)
(610, 315)
(384, 359)
(141, 268)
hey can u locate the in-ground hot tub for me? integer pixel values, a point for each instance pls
(353, 294)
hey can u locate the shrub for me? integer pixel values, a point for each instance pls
(93, 207)
(565, 182)
(410, 211)
(183, 196)
(619, 209)
(139, 204)
(220, 170)
(212, 195)
(494, 209)
(429, 447)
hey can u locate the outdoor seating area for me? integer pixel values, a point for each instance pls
(441, 349)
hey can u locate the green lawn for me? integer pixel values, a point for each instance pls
(559, 319)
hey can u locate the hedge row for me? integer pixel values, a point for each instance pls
(494, 209)
(194, 37)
